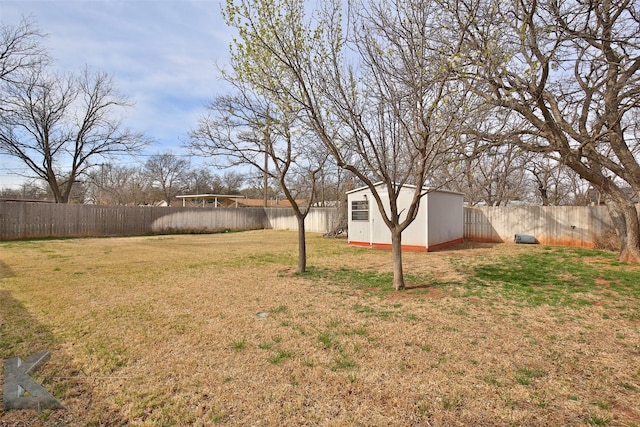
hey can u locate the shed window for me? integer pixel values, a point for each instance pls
(360, 210)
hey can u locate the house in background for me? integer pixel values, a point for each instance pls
(439, 221)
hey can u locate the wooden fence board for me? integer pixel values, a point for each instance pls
(562, 225)
(22, 220)
(555, 225)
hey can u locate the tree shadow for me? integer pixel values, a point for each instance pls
(578, 226)
(479, 228)
(468, 244)
(5, 271)
(21, 335)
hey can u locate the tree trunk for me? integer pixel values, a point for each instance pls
(396, 250)
(302, 246)
(625, 221)
(55, 189)
(59, 196)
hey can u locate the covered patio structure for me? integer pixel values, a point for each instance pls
(217, 200)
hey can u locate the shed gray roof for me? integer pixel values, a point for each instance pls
(411, 186)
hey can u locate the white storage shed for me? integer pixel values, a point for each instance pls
(439, 222)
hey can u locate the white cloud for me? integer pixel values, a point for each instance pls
(162, 54)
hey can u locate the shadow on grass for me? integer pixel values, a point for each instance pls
(371, 281)
(21, 335)
(423, 286)
(466, 245)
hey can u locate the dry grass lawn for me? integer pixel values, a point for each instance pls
(163, 331)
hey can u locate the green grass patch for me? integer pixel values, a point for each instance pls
(557, 276)
(343, 362)
(265, 346)
(598, 420)
(451, 402)
(525, 376)
(361, 331)
(279, 309)
(368, 310)
(368, 280)
(328, 340)
(239, 344)
(280, 357)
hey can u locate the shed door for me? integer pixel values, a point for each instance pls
(359, 220)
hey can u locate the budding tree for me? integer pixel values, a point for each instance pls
(376, 95)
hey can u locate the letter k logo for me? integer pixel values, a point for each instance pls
(20, 390)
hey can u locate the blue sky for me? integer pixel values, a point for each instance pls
(163, 55)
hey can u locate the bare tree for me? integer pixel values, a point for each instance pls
(201, 181)
(112, 184)
(378, 96)
(254, 186)
(168, 174)
(248, 129)
(487, 174)
(230, 182)
(566, 77)
(30, 190)
(556, 184)
(58, 126)
(21, 51)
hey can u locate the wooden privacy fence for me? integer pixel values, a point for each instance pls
(26, 220)
(319, 220)
(584, 226)
(559, 225)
